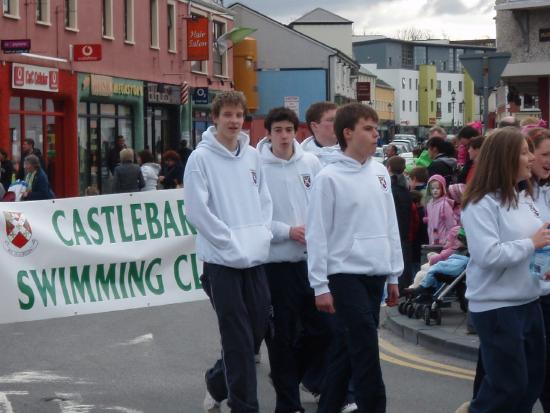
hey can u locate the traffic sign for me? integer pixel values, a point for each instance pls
(86, 52)
(16, 46)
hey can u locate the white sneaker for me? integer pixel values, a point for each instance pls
(210, 405)
(349, 408)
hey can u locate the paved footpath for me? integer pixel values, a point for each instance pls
(153, 360)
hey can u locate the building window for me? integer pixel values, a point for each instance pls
(129, 21)
(70, 14)
(43, 11)
(416, 106)
(438, 106)
(431, 85)
(403, 83)
(403, 106)
(439, 85)
(199, 66)
(10, 8)
(171, 15)
(461, 107)
(389, 61)
(154, 23)
(107, 18)
(449, 107)
(219, 60)
(416, 82)
(449, 86)
(410, 84)
(460, 85)
(444, 65)
(407, 56)
(410, 106)
(431, 105)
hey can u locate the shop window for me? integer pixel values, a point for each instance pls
(154, 23)
(129, 21)
(107, 19)
(220, 60)
(10, 8)
(42, 11)
(171, 32)
(15, 136)
(199, 66)
(70, 14)
(33, 104)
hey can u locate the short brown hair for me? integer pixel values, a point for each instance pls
(497, 168)
(146, 156)
(396, 164)
(230, 98)
(437, 128)
(171, 156)
(475, 143)
(316, 111)
(347, 117)
(281, 114)
(419, 173)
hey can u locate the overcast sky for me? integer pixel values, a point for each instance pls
(455, 19)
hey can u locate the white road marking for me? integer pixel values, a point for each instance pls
(138, 340)
(71, 403)
(123, 410)
(32, 377)
(5, 405)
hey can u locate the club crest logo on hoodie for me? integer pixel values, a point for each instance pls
(254, 177)
(383, 183)
(306, 179)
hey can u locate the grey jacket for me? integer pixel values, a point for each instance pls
(128, 178)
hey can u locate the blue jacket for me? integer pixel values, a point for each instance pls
(453, 265)
(40, 187)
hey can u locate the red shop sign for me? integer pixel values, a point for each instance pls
(86, 52)
(197, 39)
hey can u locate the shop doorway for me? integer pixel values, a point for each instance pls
(39, 119)
(99, 124)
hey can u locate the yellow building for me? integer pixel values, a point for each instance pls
(384, 106)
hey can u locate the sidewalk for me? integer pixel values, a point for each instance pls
(449, 338)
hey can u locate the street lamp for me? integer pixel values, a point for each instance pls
(453, 99)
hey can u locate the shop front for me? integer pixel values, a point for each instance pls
(108, 108)
(162, 118)
(39, 103)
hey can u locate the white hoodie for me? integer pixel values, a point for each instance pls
(150, 172)
(289, 184)
(351, 226)
(326, 154)
(228, 202)
(500, 245)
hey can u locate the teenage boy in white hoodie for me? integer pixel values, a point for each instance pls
(228, 202)
(290, 172)
(320, 122)
(353, 248)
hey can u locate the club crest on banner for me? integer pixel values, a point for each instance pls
(19, 242)
(254, 177)
(383, 183)
(306, 179)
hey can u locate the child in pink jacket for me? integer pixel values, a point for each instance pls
(439, 211)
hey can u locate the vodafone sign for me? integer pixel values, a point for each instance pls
(34, 78)
(86, 52)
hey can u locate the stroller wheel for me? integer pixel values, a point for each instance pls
(419, 312)
(401, 308)
(410, 310)
(437, 316)
(427, 312)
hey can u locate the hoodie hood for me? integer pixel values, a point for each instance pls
(349, 164)
(264, 148)
(154, 166)
(441, 181)
(210, 141)
(447, 160)
(326, 154)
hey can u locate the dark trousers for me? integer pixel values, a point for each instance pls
(300, 337)
(545, 396)
(355, 348)
(513, 351)
(241, 300)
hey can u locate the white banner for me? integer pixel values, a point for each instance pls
(95, 254)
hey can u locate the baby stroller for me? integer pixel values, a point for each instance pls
(452, 289)
(428, 302)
